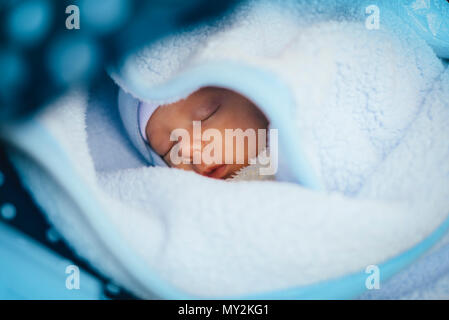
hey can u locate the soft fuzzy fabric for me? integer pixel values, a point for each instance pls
(362, 99)
(130, 114)
(363, 115)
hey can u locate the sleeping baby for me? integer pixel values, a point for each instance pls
(193, 134)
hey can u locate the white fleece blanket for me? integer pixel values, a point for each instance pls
(371, 117)
(369, 113)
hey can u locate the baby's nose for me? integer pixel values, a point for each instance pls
(200, 164)
(190, 149)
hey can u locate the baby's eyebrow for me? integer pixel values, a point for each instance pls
(195, 113)
(202, 109)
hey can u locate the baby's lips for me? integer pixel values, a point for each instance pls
(216, 171)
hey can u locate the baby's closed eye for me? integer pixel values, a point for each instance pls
(205, 112)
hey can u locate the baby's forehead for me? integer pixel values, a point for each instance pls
(184, 108)
(164, 119)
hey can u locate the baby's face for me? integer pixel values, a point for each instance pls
(216, 108)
